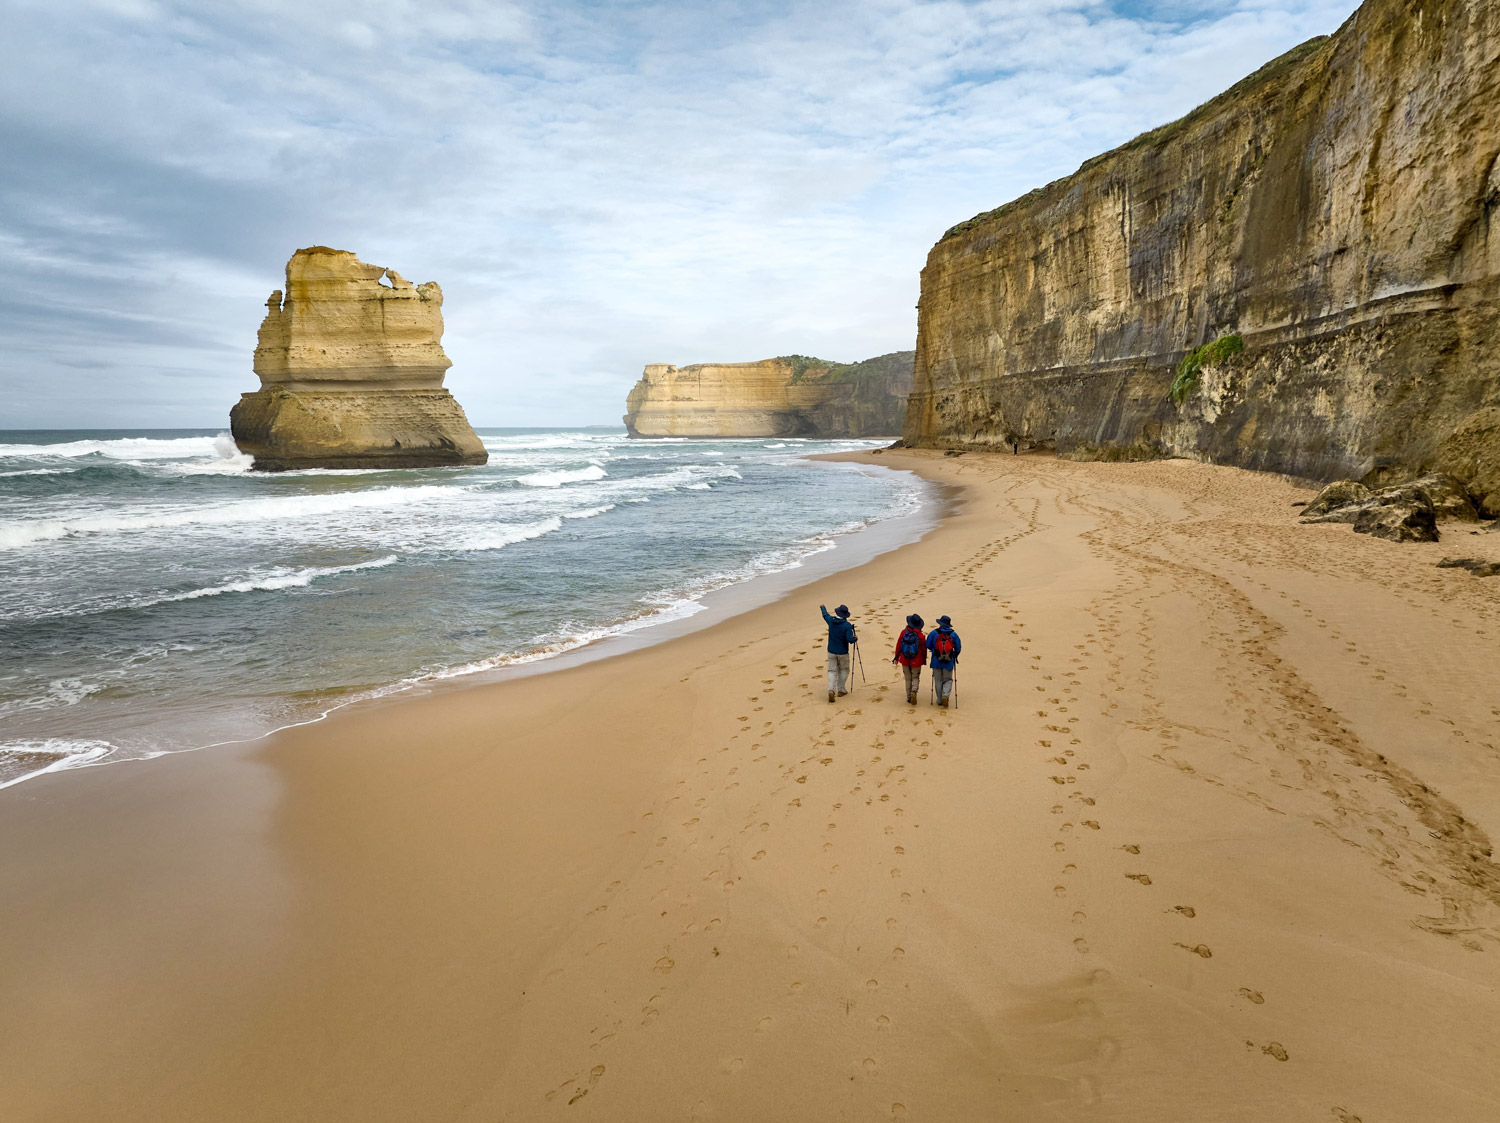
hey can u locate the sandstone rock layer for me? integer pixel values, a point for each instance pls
(791, 396)
(351, 364)
(1339, 211)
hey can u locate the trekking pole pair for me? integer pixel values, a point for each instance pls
(861, 659)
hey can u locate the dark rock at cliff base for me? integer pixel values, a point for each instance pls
(1397, 521)
(1446, 495)
(1405, 513)
(1340, 493)
(1479, 567)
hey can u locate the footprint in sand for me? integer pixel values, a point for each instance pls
(1131, 848)
(1144, 879)
(1200, 950)
(1186, 910)
(1253, 995)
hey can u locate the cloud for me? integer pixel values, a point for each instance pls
(595, 186)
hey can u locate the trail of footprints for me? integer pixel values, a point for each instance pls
(853, 775)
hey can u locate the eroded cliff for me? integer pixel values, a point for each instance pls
(351, 364)
(1338, 211)
(791, 396)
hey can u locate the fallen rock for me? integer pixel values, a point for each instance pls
(1447, 496)
(351, 364)
(1338, 494)
(1397, 521)
(1404, 513)
(1479, 567)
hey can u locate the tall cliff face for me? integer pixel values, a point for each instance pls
(1339, 211)
(792, 396)
(351, 364)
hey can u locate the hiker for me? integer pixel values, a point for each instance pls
(911, 653)
(945, 645)
(840, 636)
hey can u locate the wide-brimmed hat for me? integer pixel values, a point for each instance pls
(841, 610)
(914, 621)
(945, 620)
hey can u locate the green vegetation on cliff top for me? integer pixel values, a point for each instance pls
(1276, 68)
(826, 370)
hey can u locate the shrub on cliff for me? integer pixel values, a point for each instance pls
(1194, 361)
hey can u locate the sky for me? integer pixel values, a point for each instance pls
(596, 185)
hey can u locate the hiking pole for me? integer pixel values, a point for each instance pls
(955, 684)
(861, 659)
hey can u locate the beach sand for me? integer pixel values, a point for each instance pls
(1206, 839)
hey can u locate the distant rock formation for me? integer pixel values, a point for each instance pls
(351, 366)
(792, 396)
(1302, 275)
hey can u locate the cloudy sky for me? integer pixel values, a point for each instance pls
(596, 185)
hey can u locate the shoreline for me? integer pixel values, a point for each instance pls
(1172, 846)
(731, 599)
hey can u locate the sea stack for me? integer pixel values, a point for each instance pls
(790, 396)
(351, 363)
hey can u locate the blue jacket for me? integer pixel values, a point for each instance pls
(958, 645)
(840, 633)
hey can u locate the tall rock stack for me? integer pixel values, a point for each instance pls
(351, 364)
(1303, 275)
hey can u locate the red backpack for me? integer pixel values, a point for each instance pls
(942, 645)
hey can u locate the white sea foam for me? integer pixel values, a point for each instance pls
(697, 487)
(40, 472)
(25, 760)
(590, 512)
(470, 539)
(20, 533)
(563, 476)
(272, 580)
(58, 693)
(125, 448)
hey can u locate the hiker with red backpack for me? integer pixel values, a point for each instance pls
(945, 645)
(911, 653)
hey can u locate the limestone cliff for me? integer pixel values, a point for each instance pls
(1338, 211)
(792, 396)
(351, 364)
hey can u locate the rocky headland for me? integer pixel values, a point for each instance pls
(351, 364)
(790, 396)
(1302, 276)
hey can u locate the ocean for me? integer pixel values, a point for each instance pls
(156, 595)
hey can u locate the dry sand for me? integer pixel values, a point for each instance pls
(1207, 839)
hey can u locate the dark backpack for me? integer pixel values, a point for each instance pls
(942, 645)
(911, 645)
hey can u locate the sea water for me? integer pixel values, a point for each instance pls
(157, 595)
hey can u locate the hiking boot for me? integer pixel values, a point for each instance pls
(830, 696)
(842, 693)
(943, 702)
(911, 699)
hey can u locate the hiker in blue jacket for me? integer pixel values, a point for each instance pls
(945, 645)
(840, 636)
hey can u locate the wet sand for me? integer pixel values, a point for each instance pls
(1208, 838)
